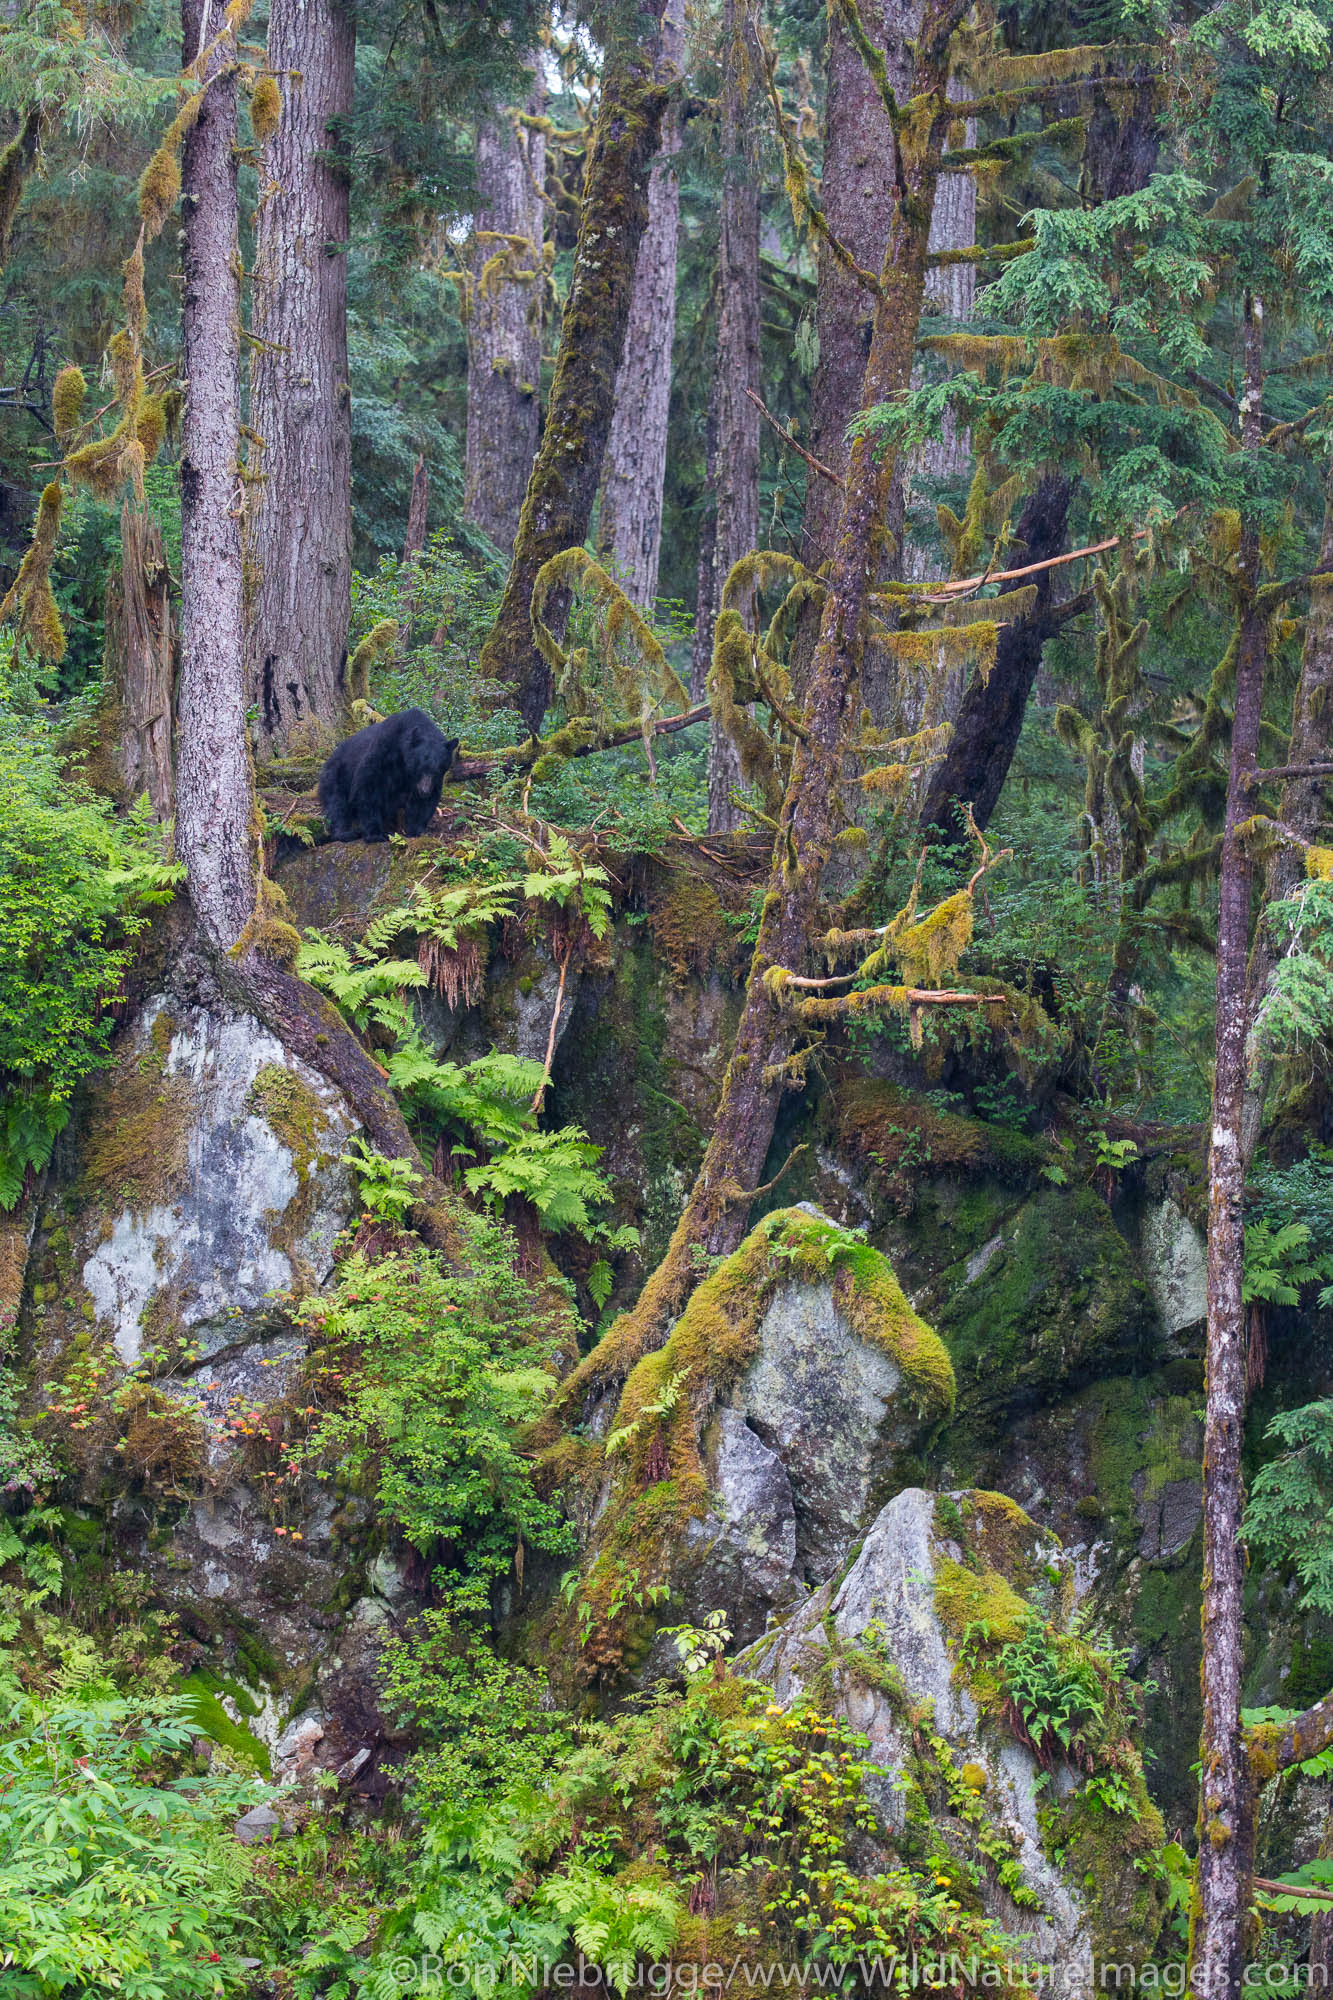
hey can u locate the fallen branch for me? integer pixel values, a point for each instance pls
(522, 756)
(540, 1091)
(1292, 1889)
(1292, 771)
(950, 591)
(815, 464)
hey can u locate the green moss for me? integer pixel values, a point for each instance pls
(902, 1139)
(136, 1148)
(1060, 1298)
(293, 1111)
(967, 1598)
(623, 1059)
(211, 1719)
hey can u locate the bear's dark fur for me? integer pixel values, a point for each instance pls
(395, 767)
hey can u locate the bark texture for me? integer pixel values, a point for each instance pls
(140, 661)
(557, 507)
(858, 192)
(504, 335)
(214, 781)
(736, 446)
(759, 1069)
(630, 525)
(301, 534)
(1226, 1808)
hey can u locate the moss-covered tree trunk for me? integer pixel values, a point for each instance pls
(140, 663)
(736, 443)
(629, 524)
(1226, 1803)
(859, 194)
(557, 507)
(715, 1215)
(214, 780)
(301, 407)
(504, 329)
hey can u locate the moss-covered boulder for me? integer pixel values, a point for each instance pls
(1052, 1298)
(204, 1178)
(744, 1455)
(917, 1645)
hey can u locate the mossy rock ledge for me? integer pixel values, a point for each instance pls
(903, 1644)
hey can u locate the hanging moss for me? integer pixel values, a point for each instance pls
(265, 108)
(159, 189)
(29, 595)
(375, 647)
(67, 396)
(15, 165)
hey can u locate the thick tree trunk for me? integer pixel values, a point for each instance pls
(557, 507)
(860, 156)
(1226, 1808)
(758, 1073)
(301, 535)
(140, 663)
(990, 716)
(736, 451)
(504, 334)
(214, 780)
(630, 524)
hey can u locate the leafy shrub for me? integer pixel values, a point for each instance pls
(115, 1877)
(1290, 1514)
(426, 1374)
(74, 886)
(444, 605)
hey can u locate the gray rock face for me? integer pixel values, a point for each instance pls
(246, 1216)
(1175, 1267)
(747, 1548)
(260, 1824)
(822, 1400)
(888, 1593)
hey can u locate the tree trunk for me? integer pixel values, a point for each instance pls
(990, 716)
(1226, 1811)
(140, 663)
(557, 507)
(414, 537)
(860, 155)
(736, 452)
(1119, 157)
(504, 333)
(630, 525)
(214, 780)
(912, 700)
(1302, 807)
(715, 1215)
(300, 405)
(705, 591)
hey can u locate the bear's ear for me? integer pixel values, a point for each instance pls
(451, 744)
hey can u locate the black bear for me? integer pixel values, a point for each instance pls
(394, 767)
